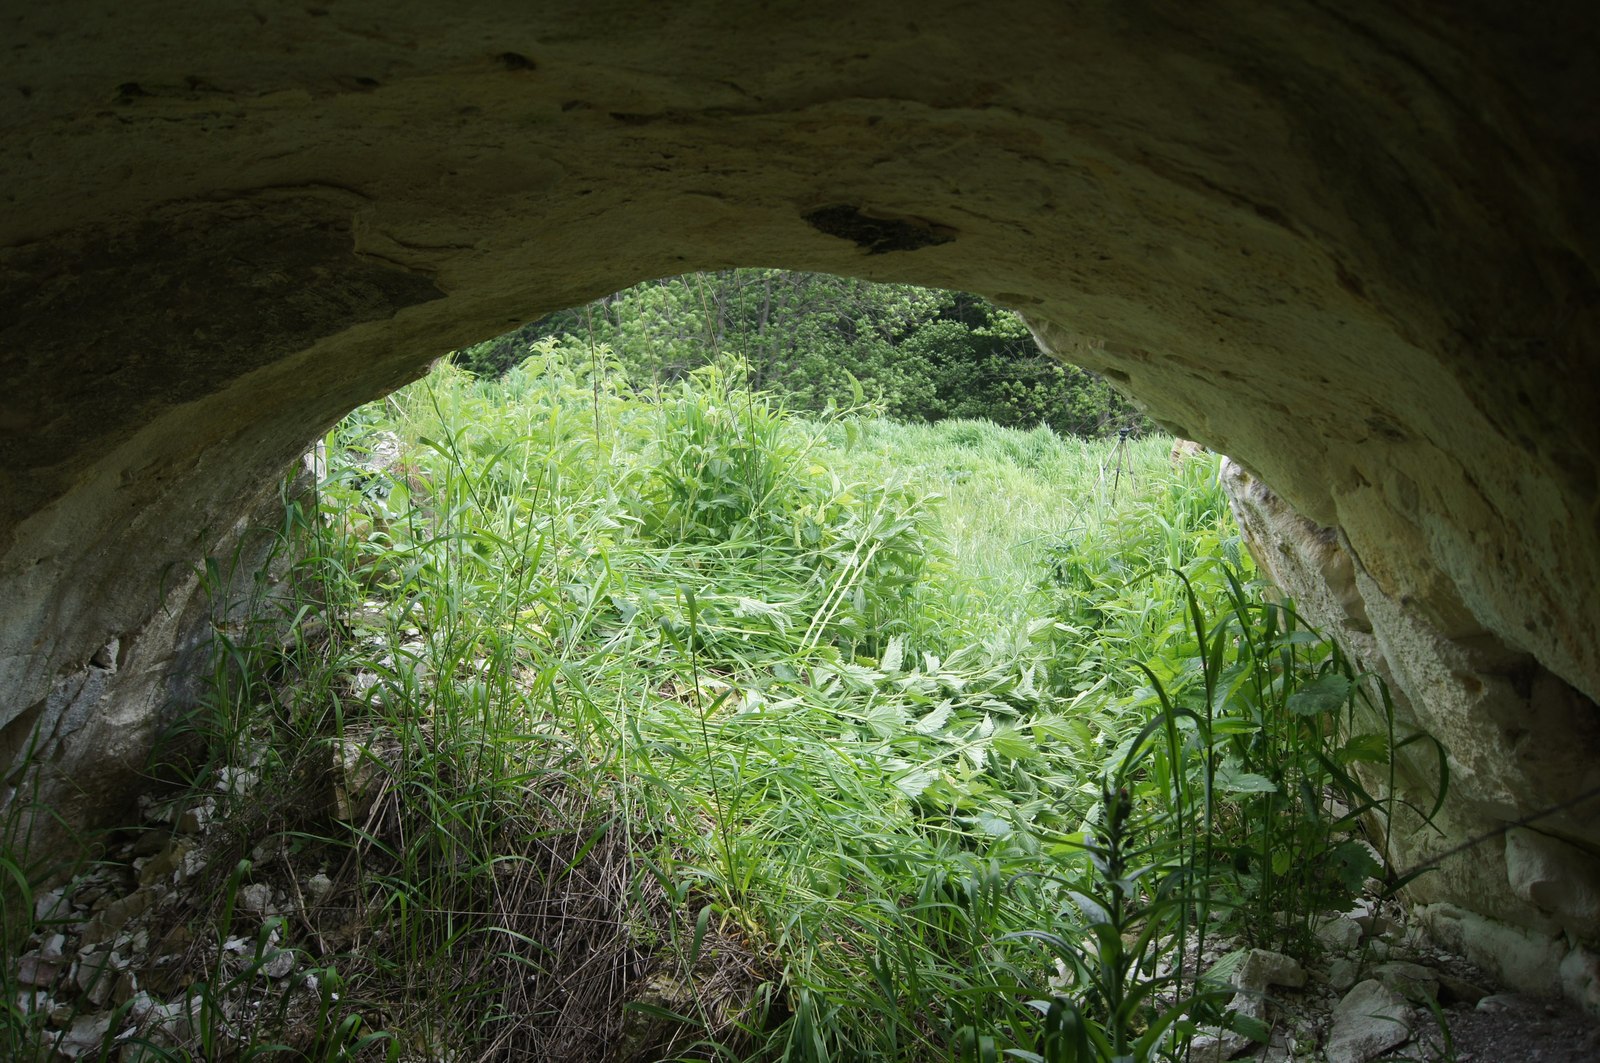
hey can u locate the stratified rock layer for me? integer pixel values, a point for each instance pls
(1347, 244)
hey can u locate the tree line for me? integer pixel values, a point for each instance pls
(812, 339)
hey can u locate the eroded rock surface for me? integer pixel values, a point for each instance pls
(1538, 880)
(1350, 245)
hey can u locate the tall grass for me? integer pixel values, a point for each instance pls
(672, 726)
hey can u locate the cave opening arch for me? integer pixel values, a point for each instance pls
(1351, 249)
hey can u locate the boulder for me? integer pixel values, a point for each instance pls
(1526, 959)
(1370, 1020)
(1557, 878)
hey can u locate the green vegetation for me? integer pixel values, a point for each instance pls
(924, 355)
(671, 725)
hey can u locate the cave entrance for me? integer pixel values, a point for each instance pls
(1348, 245)
(596, 675)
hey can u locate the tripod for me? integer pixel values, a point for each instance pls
(1121, 454)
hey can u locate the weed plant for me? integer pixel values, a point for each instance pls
(666, 725)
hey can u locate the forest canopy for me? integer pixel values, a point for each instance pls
(811, 339)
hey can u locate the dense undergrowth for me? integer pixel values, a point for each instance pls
(648, 726)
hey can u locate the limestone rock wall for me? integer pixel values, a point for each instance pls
(1520, 835)
(1350, 244)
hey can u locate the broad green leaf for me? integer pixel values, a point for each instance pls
(1249, 1026)
(1352, 864)
(993, 825)
(934, 720)
(892, 654)
(1010, 742)
(914, 782)
(1234, 725)
(1243, 782)
(1093, 911)
(1365, 749)
(1322, 695)
(886, 719)
(755, 608)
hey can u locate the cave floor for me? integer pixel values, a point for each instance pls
(120, 964)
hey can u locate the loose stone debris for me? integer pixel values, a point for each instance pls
(112, 968)
(127, 962)
(115, 971)
(1377, 989)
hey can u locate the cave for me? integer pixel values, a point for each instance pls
(1351, 247)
